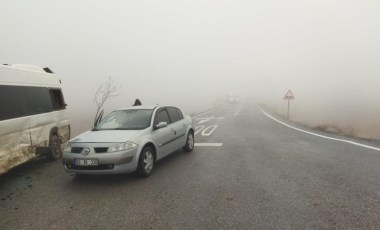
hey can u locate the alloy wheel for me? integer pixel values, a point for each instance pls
(148, 161)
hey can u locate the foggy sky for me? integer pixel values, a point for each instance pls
(192, 53)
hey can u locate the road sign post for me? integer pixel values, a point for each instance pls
(289, 96)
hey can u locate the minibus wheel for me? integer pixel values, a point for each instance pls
(55, 148)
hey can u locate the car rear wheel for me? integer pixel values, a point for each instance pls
(146, 162)
(189, 142)
(55, 148)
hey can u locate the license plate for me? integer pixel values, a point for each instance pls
(86, 162)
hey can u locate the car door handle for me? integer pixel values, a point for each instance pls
(183, 124)
(173, 130)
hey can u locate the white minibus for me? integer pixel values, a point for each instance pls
(33, 115)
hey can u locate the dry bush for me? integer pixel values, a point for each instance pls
(350, 131)
(103, 93)
(329, 128)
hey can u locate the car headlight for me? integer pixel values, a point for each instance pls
(122, 146)
(68, 148)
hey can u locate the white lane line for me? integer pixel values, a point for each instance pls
(208, 144)
(205, 119)
(212, 110)
(239, 108)
(319, 135)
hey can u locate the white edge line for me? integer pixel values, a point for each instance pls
(209, 144)
(319, 135)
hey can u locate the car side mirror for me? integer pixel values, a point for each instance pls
(161, 124)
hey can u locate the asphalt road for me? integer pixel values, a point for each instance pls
(250, 172)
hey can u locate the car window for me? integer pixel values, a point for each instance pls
(162, 116)
(132, 119)
(180, 114)
(173, 114)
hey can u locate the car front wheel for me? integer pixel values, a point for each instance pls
(146, 162)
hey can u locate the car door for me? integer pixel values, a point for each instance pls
(179, 127)
(163, 137)
(184, 126)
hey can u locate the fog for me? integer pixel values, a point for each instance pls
(193, 53)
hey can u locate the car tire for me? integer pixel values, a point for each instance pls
(55, 148)
(189, 142)
(146, 162)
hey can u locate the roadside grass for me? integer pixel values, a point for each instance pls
(348, 131)
(333, 128)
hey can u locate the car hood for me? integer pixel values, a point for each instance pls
(104, 136)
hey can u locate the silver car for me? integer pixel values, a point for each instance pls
(128, 140)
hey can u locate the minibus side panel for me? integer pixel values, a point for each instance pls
(15, 143)
(41, 126)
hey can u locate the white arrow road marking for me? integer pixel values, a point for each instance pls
(208, 144)
(319, 135)
(198, 129)
(207, 131)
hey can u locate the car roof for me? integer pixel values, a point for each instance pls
(145, 107)
(138, 107)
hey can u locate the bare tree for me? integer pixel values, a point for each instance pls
(105, 90)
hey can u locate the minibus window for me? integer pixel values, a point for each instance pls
(57, 99)
(12, 102)
(38, 100)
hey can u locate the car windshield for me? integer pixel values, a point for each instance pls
(132, 119)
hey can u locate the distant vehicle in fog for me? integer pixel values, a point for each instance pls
(233, 99)
(129, 140)
(33, 116)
